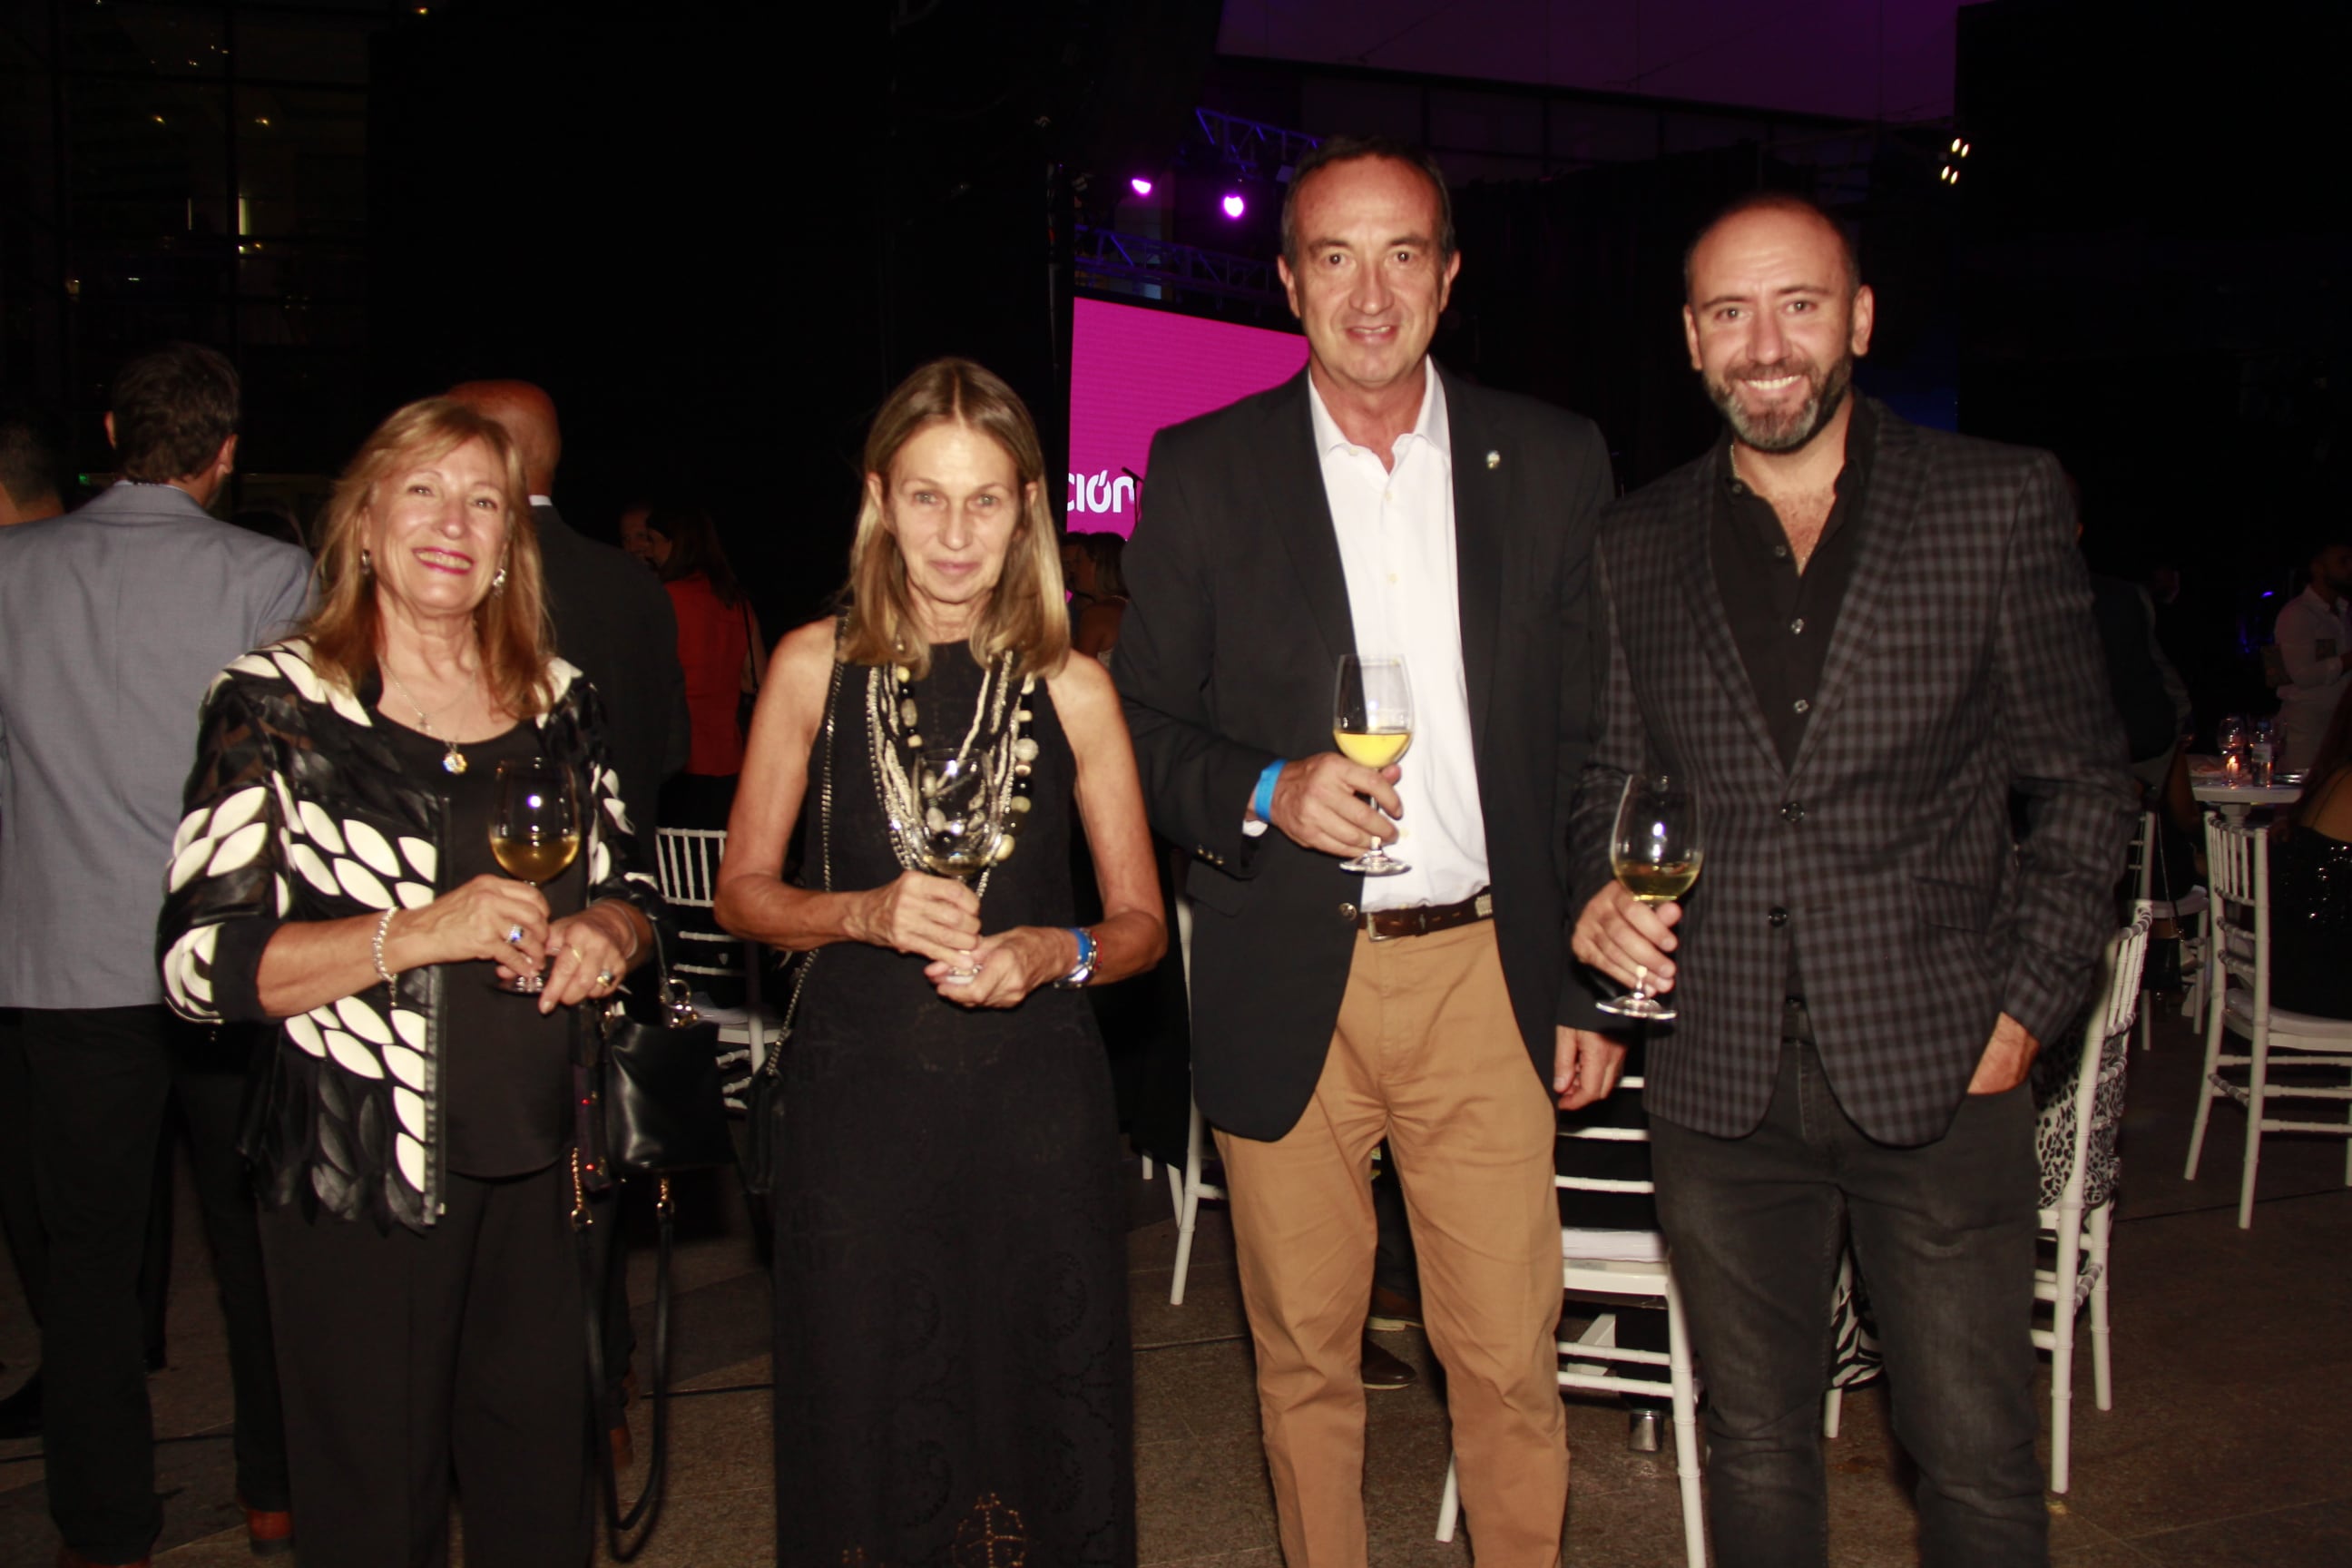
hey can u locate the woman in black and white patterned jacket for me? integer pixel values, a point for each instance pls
(411, 1136)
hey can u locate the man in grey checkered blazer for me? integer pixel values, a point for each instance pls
(1856, 641)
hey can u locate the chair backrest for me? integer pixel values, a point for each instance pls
(2145, 850)
(686, 864)
(2081, 1108)
(1607, 1135)
(2238, 877)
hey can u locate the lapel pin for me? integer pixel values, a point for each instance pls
(1494, 459)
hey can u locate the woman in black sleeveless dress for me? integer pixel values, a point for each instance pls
(952, 1361)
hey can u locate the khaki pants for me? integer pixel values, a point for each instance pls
(1427, 1055)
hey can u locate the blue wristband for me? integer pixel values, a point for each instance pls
(1262, 802)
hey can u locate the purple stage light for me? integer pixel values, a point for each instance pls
(1139, 186)
(1235, 207)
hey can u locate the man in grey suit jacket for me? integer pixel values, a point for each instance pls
(1854, 640)
(112, 621)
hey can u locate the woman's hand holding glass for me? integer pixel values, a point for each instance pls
(938, 917)
(496, 919)
(1005, 967)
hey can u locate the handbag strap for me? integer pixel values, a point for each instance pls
(617, 1524)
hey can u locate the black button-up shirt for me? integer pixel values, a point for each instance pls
(1781, 618)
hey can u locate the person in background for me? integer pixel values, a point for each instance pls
(617, 626)
(29, 490)
(951, 1358)
(2310, 885)
(721, 652)
(32, 474)
(634, 539)
(87, 813)
(1097, 591)
(335, 875)
(2315, 642)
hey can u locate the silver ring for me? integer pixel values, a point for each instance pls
(514, 934)
(604, 977)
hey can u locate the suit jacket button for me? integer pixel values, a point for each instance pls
(1350, 913)
(1779, 917)
(1794, 811)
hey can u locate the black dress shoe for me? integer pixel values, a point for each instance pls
(1382, 1372)
(20, 1413)
(1393, 1309)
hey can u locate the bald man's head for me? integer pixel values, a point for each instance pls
(529, 416)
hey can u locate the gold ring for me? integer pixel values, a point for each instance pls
(604, 977)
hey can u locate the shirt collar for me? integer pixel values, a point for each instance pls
(1430, 426)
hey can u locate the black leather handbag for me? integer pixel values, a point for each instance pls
(658, 1083)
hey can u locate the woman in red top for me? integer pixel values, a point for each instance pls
(724, 657)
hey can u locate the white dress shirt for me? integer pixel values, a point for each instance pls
(2312, 634)
(1395, 528)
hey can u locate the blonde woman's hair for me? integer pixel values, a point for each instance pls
(1026, 613)
(345, 629)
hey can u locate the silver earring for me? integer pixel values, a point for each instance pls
(498, 582)
(367, 563)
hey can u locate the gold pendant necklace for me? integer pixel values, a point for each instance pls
(455, 762)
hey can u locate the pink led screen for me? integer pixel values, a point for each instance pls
(1135, 372)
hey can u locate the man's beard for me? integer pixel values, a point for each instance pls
(1788, 428)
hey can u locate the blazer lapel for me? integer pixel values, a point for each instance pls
(1302, 516)
(1478, 496)
(1695, 567)
(1898, 477)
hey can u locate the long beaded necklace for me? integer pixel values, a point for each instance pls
(455, 763)
(1006, 757)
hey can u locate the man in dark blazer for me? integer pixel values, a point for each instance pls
(1376, 505)
(1854, 640)
(612, 616)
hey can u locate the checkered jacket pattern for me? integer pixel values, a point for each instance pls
(1964, 669)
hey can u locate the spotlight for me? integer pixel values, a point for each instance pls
(1139, 186)
(1233, 205)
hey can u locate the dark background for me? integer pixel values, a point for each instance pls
(719, 233)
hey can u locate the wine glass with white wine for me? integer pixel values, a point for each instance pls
(534, 833)
(1656, 851)
(959, 829)
(1371, 723)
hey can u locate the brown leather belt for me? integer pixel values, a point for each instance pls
(1423, 919)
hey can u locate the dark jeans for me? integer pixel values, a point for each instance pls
(409, 1357)
(99, 1081)
(1945, 1235)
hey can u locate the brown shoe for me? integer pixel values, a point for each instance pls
(1382, 1372)
(270, 1531)
(69, 1558)
(1393, 1309)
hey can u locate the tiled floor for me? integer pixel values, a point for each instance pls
(2228, 1444)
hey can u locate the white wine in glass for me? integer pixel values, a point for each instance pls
(1371, 723)
(1655, 852)
(534, 832)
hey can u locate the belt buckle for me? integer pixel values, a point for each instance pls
(1372, 926)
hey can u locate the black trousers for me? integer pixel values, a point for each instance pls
(407, 1357)
(1945, 1235)
(20, 1199)
(98, 1084)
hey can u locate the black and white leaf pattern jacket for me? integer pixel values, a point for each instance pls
(298, 809)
